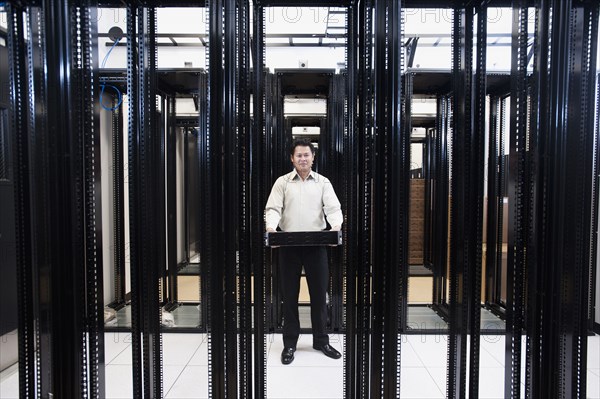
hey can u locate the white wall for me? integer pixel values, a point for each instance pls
(106, 171)
(416, 150)
(424, 106)
(436, 52)
(306, 130)
(169, 20)
(126, 194)
(317, 57)
(298, 106)
(185, 106)
(108, 246)
(192, 20)
(306, 20)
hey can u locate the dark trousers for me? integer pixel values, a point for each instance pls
(314, 260)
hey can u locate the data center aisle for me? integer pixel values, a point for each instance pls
(311, 375)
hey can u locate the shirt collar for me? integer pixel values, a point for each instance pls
(296, 175)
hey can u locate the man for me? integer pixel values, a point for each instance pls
(300, 201)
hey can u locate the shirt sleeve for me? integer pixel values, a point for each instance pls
(331, 205)
(274, 206)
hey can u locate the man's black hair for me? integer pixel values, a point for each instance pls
(302, 143)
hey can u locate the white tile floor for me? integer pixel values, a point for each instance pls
(311, 375)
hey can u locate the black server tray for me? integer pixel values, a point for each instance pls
(303, 238)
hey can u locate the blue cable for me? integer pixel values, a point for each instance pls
(119, 95)
(110, 51)
(104, 85)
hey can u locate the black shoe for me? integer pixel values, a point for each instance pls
(329, 351)
(287, 356)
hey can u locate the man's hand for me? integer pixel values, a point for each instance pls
(270, 230)
(336, 228)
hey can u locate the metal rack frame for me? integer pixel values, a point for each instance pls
(552, 161)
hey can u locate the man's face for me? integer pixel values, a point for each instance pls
(302, 159)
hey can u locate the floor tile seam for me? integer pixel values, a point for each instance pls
(290, 366)
(501, 362)
(184, 367)
(306, 397)
(417, 354)
(441, 389)
(190, 358)
(164, 364)
(594, 371)
(419, 397)
(497, 364)
(117, 355)
(446, 368)
(483, 367)
(277, 361)
(165, 390)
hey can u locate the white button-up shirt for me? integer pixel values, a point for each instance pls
(302, 205)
